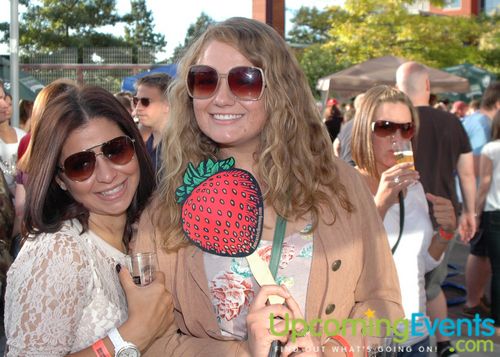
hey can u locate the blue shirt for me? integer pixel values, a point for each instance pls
(478, 129)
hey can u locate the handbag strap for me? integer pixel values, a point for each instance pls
(279, 236)
(401, 220)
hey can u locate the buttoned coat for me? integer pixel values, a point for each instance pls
(352, 270)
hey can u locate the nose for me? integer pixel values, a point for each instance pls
(104, 170)
(397, 137)
(223, 95)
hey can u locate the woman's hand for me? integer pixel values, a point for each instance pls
(260, 335)
(393, 181)
(305, 344)
(444, 213)
(150, 309)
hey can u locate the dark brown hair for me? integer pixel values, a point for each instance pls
(47, 205)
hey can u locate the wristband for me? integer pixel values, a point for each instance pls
(345, 344)
(100, 349)
(445, 235)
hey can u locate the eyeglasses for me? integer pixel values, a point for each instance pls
(80, 166)
(385, 128)
(245, 83)
(145, 102)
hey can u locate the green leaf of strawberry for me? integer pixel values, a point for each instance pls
(193, 177)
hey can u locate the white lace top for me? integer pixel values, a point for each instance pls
(63, 293)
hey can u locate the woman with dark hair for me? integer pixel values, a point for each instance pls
(89, 179)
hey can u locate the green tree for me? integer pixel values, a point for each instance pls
(51, 24)
(365, 29)
(310, 26)
(193, 32)
(140, 27)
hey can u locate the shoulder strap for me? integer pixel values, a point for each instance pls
(401, 220)
(279, 236)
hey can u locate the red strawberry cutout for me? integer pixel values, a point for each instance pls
(222, 209)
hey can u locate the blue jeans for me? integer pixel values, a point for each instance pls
(419, 349)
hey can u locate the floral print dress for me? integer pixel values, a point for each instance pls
(232, 286)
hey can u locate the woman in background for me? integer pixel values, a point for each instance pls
(488, 206)
(385, 117)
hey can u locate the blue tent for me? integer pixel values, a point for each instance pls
(128, 82)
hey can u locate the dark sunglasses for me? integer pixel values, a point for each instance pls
(385, 128)
(80, 166)
(145, 102)
(245, 83)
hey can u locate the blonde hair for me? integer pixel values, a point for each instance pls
(294, 162)
(362, 144)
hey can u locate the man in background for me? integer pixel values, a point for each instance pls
(151, 107)
(441, 147)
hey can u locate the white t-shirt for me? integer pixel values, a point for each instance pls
(8, 152)
(412, 257)
(63, 293)
(492, 151)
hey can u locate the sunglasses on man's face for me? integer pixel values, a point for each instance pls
(145, 102)
(245, 83)
(385, 128)
(80, 166)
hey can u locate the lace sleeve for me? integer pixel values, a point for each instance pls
(47, 290)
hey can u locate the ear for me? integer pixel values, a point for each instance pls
(61, 183)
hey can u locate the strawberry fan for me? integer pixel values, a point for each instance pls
(222, 209)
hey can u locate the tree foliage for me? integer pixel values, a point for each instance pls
(193, 32)
(49, 25)
(140, 27)
(365, 29)
(310, 26)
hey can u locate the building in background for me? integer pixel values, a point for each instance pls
(458, 7)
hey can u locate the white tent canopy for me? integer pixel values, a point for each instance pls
(361, 77)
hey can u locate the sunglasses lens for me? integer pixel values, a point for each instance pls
(79, 166)
(119, 150)
(407, 130)
(246, 82)
(144, 101)
(202, 81)
(385, 128)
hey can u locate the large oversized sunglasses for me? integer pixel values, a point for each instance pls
(385, 128)
(245, 83)
(145, 102)
(80, 166)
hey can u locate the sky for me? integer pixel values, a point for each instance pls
(174, 24)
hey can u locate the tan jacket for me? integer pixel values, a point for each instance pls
(352, 270)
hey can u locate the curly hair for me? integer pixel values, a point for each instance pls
(295, 164)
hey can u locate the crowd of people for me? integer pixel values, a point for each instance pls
(354, 235)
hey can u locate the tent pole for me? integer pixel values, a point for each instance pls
(14, 61)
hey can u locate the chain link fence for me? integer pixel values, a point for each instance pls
(102, 66)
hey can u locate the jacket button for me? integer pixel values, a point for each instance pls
(336, 265)
(329, 309)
